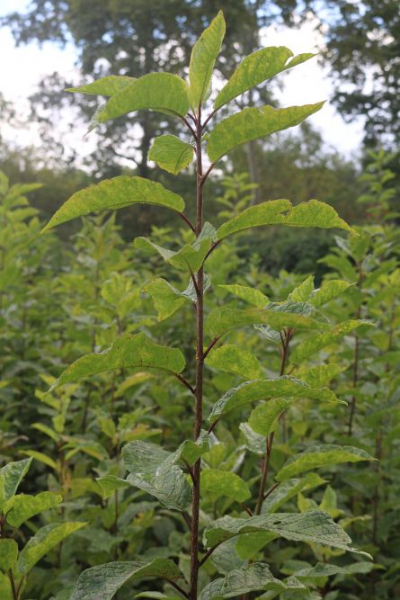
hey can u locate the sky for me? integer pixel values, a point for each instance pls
(23, 68)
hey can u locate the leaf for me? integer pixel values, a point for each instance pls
(127, 351)
(8, 554)
(106, 86)
(238, 582)
(320, 456)
(43, 458)
(316, 214)
(314, 527)
(330, 290)
(321, 375)
(263, 417)
(22, 507)
(251, 391)
(112, 194)
(253, 70)
(289, 489)
(236, 360)
(44, 540)
(219, 483)
(202, 60)
(171, 154)
(327, 570)
(222, 320)
(11, 476)
(302, 292)
(131, 381)
(167, 299)
(249, 294)
(266, 213)
(110, 483)
(161, 92)
(319, 341)
(253, 123)
(103, 581)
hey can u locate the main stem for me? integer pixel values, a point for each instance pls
(194, 542)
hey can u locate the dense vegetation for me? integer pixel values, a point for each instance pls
(225, 432)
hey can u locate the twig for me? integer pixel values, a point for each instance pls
(211, 346)
(208, 554)
(185, 382)
(187, 221)
(271, 490)
(211, 250)
(177, 587)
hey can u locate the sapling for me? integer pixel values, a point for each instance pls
(177, 478)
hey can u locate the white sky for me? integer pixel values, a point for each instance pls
(22, 68)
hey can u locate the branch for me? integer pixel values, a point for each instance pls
(187, 520)
(211, 428)
(185, 382)
(208, 554)
(211, 346)
(177, 587)
(187, 221)
(188, 125)
(211, 250)
(210, 116)
(271, 490)
(206, 174)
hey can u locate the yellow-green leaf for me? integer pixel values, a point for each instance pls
(217, 483)
(236, 360)
(106, 86)
(248, 294)
(171, 154)
(8, 554)
(23, 507)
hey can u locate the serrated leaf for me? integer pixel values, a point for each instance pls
(253, 123)
(253, 70)
(22, 507)
(8, 554)
(248, 294)
(319, 456)
(252, 391)
(103, 581)
(11, 476)
(219, 483)
(202, 60)
(266, 213)
(171, 154)
(44, 540)
(127, 351)
(112, 194)
(106, 86)
(314, 527)
(222, 320)
(319, 341)
(161, 92)
(238, 582)
(236, 360)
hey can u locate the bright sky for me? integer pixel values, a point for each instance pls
(22, 68)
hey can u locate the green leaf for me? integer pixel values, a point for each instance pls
(8, 554)
(167, 299)
(110, 483)
(127, 351)
(314, 527)
(190, 257)
(316, 214)
(161, 92)
(171, 154)
(219, 483)
(238, 582)
(321, 375)
(266, 213)
(302, 292)
(251, 391)
(263, 417)
(44, 540)
(256, 68)
(319, 341)
(289, 489)
(327, 570)
(248, 294)
(106, 86)
(236, 360)
(320, 456)
(43, 458)
(222, 320)
(21, 508)
(152, 470)
(10, 477)
(112, 194)
(103, 581)
(202, 60)
(253, 123)
(329, 290)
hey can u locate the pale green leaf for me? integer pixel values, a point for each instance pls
(248, 294)
(318, 341)
(112, 194)
(254, 441)
(202, 60)
(266, 213)
(289, 489)
(303, 291)
(8, 554)
(264, 416)
(171, 154)
(167, 299)
(251, 391)
(327, 570)
(239, 582)
(253, 70)
(315, 214)
(236, 360)
(22, 507)
(217, 483)
(132, 381)
(329, 290)
(253, 123)
(106, 86)
(321, 375)
(44, 540)
(127, 351)
(314, 527)
(161, 92)
(110, 483)
(320, 456)
(103, 581)
(11, 476)
(43, 458)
